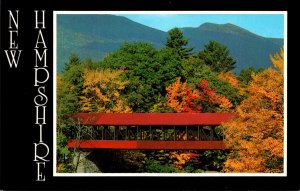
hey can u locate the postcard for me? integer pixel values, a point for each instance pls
(180, 95)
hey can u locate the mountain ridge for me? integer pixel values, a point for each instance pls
(94, 36)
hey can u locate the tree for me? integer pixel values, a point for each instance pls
(72, 75)
(217, 57)
(194, 70)
(137, 60)
(177, 95)
(102, 92)
(234, 81)
(255, 135)
(148, 71)
(176, 42)
(278, 60)
(245, 75)
(230, 78)
(182, 158)
(73, 60)
(182, 98)
(69, 87)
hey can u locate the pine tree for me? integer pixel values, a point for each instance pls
(217, 57)
(178, 43)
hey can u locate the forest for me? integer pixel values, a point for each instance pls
(138, 78)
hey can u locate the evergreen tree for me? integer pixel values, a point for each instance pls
(245, 75)
(217, 57)
(73, 60)
(177, 43)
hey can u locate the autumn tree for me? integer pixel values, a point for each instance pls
(255, 135)
(217, 57)
(177, 95)
(102, 92)
(193, 71)
(182, 98)
(180, 159)
(234, 81)
(230, 78)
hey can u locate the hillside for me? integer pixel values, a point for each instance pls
(94, 36)
(248, 48)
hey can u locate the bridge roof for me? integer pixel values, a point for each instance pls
(153, 118)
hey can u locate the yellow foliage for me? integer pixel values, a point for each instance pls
(278, 60)
(182, 158)
(101, 90)
(60, 168)
(58, 81)
(256, 134)
(230, 78)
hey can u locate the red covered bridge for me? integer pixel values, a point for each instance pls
(152, 130)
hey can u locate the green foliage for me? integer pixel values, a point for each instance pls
(169, 67)
(214, 159)
(148, 71)
(67, 100)
(61, 145)
(154, 166)
(74, 60)
(137, 60)
(245, 75)
(72, 75)
(217, 57)
(225, 89)
(69, 86)
(177, 43)
(161, 106)
(134, 159)
(274, 162)
(64, 155)
(199, 171)
(193, 71)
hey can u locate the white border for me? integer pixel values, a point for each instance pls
(54, 93)
(56, 174)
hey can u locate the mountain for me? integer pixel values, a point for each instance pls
(94, 36)
(247, 48)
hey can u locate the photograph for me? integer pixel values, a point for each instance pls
(148, 95)
(170, 93)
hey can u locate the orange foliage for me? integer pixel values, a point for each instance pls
(256, 134)
(182, 99)
(182, 158)
(230, 78)
(177, 94)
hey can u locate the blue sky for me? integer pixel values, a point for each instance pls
(267, 25)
